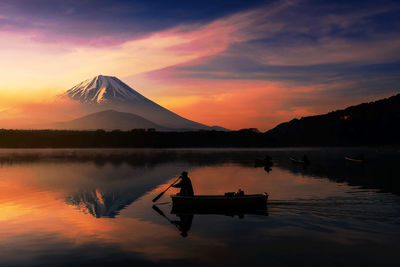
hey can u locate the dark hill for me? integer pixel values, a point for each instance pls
(109, 120)
(365, 124)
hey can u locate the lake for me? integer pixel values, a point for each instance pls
(71, 207)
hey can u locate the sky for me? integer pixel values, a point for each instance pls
(237, 64)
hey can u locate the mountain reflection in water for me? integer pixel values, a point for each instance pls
(93, 207)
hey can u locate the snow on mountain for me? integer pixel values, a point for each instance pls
(103, 89)
(106, 92)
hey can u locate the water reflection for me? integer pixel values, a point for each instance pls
(87, 207)
(107, 190)
(184, 216)
(380, 170)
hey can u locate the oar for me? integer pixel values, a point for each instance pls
(160, 212)
(162, 193)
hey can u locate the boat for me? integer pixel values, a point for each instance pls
(263, 163)
(227, 201)
(354, 160)
(297, 161)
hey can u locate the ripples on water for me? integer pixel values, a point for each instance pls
(93, 207)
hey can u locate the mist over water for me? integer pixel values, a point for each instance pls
(93, 207)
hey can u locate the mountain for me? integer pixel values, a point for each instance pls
(106, 92)
(368, 123)
(109, 120)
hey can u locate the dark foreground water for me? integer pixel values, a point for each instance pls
(93, 207)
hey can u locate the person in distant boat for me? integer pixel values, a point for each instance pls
(305, 160)
(185, 185)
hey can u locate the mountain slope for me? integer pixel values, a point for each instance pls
(106, 92)
(368, 123)
(109, 120)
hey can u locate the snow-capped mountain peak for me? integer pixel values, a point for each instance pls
(106, 92)
(103, 89)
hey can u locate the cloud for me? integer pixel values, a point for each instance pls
(36, 62)
(119, 21)
(242, 104)
(254, 42)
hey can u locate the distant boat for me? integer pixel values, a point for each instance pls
(263, 162)
(297, 161)
(255, 201)
(354, 160)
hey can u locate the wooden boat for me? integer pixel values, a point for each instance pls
(354, 160)
(256, 201)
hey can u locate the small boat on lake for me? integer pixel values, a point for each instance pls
(303, 161)
(263, 162)
(229, 200)
(354, 160)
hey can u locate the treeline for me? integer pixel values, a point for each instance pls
(374, 123)
(137, 138)
(347, 136)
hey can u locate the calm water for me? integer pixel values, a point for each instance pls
(93, 207)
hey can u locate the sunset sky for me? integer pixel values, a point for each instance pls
(236, 64)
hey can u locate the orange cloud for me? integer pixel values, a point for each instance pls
(29, 63)
(38, 114)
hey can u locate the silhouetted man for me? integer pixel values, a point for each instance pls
(185, 185)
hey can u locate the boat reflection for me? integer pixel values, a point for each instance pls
(186, 214)
(267, 169)
(183, 224)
